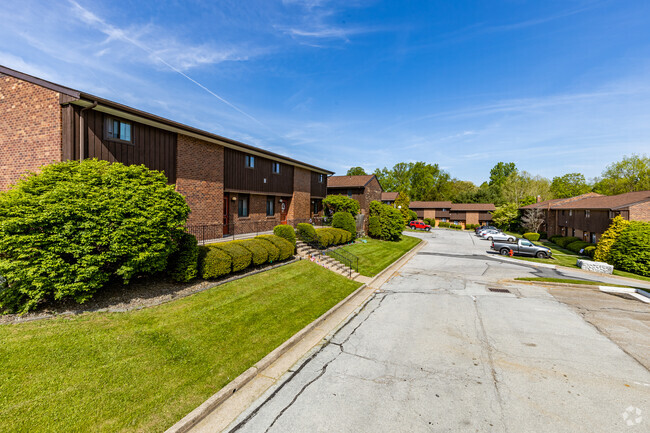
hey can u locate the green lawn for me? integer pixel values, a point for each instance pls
(375, 255)
(144, 370)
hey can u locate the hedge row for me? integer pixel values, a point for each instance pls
(332, 236)
(472, 226)
(223, 258)
(444, 224)
(430, 221)
(456, 226)
(574, 244)
(285, 231)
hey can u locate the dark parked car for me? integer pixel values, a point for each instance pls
(419, 225)
(522, 247)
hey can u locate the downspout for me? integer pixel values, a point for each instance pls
(82, 131)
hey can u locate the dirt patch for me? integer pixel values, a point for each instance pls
(140, 293)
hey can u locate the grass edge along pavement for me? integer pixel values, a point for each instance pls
(567, 258)
(376, 255)
(573, 281)
(144, 370)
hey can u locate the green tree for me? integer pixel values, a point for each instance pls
(420, 180)
(402, 203)
(505, 215)
(608, 239)
(523, 188)
(501, 171)
(630, 174)
(340, 203)
(356, 171)
(569, 185)
(458, 189)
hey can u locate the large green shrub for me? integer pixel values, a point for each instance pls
(589, 251)
(69, 229)
(374, 228)
(214, 262)
(578, 246)
(444, 224)
(325, 238)
(375, 208)
(287, 232)
(455, 226)
(392, 224)
(258, 250)
(183, 263)
(608, 239)
(340, 203)
(284, 246)
(272, 250)
(241, 257)
(534, 237)
(345, 221)
(306, 232)
(631, 251)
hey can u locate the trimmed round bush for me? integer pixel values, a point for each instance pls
(66, 231)
(241, 257)
(532, 236)
(214, 263)
(324, 238)
(345, 221)
(590, 251)
(284, 246)
(337, 236)
(271, 249)
(287, 232)
(258, 250)
(340, 203)
(306, 232)
(564, 241)
(578, 245)
(183, 264)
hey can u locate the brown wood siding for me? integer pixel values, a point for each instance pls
(597, 222)
(318, 189)
(241, 178)
(153, 147)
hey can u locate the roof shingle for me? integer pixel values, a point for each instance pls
(349, 181)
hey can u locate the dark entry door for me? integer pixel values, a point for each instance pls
(226, 212)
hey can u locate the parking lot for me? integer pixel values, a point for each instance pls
(439, 349)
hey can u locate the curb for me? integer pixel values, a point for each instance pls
(198, 414)
(524, 262)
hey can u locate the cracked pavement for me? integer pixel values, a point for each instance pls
(434, 350)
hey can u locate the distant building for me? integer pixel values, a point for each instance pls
(364, 189)
(456, 213)
(389, 198)
(588, 216)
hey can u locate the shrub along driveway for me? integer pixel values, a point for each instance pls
(144, 370)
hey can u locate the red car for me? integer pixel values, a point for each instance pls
(419, 225)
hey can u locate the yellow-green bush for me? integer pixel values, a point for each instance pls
(259, 251)
(241, 257)
(214, 263)
(284, 246)
(608, 239)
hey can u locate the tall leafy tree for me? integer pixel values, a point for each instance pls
(523, 188)
(501, 171)
(630, 174)
(569, 185)
(356, 171)
(505, 215)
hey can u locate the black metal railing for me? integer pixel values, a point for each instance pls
(347, 258)
(242, 229)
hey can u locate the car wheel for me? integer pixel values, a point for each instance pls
(504, 251)
(540, 255)
(511, 239)
(490, 238)
(428, 228)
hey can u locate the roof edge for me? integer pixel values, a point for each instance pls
(39, 82)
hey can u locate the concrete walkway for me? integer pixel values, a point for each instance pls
(436, 350)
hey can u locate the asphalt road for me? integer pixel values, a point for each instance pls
(435, 350)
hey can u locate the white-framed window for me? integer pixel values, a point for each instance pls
(250, 161)
(570, 212)
(587, 213)
(276, 167)
(118, 130)
(321, 178)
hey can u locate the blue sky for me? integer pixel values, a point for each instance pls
(555, 86)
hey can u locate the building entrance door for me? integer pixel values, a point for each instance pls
(226, 213)
(284, 209)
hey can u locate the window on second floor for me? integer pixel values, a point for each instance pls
(250, 161)
(349, 193)
(117, 130)
(587, 213)
(276, 167)
(321, 178)
(570, 212)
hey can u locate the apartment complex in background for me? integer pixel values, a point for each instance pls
(231, 187)
(389, 198)
(588, 216)
(455, 213)
(363, 188)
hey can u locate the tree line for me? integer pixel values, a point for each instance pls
(507, 184)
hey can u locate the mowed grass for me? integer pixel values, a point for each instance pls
(567, 281)
(375, 255)
(144, 370)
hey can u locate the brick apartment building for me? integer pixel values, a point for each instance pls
(231, 187)
(588, 216)
(456, 213)
(364, 189)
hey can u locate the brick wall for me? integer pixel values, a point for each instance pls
(372, 192)
(301, 199)
(640, 212)
(30, 128)
(199, 177)
(257, 220)
(471, 218)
